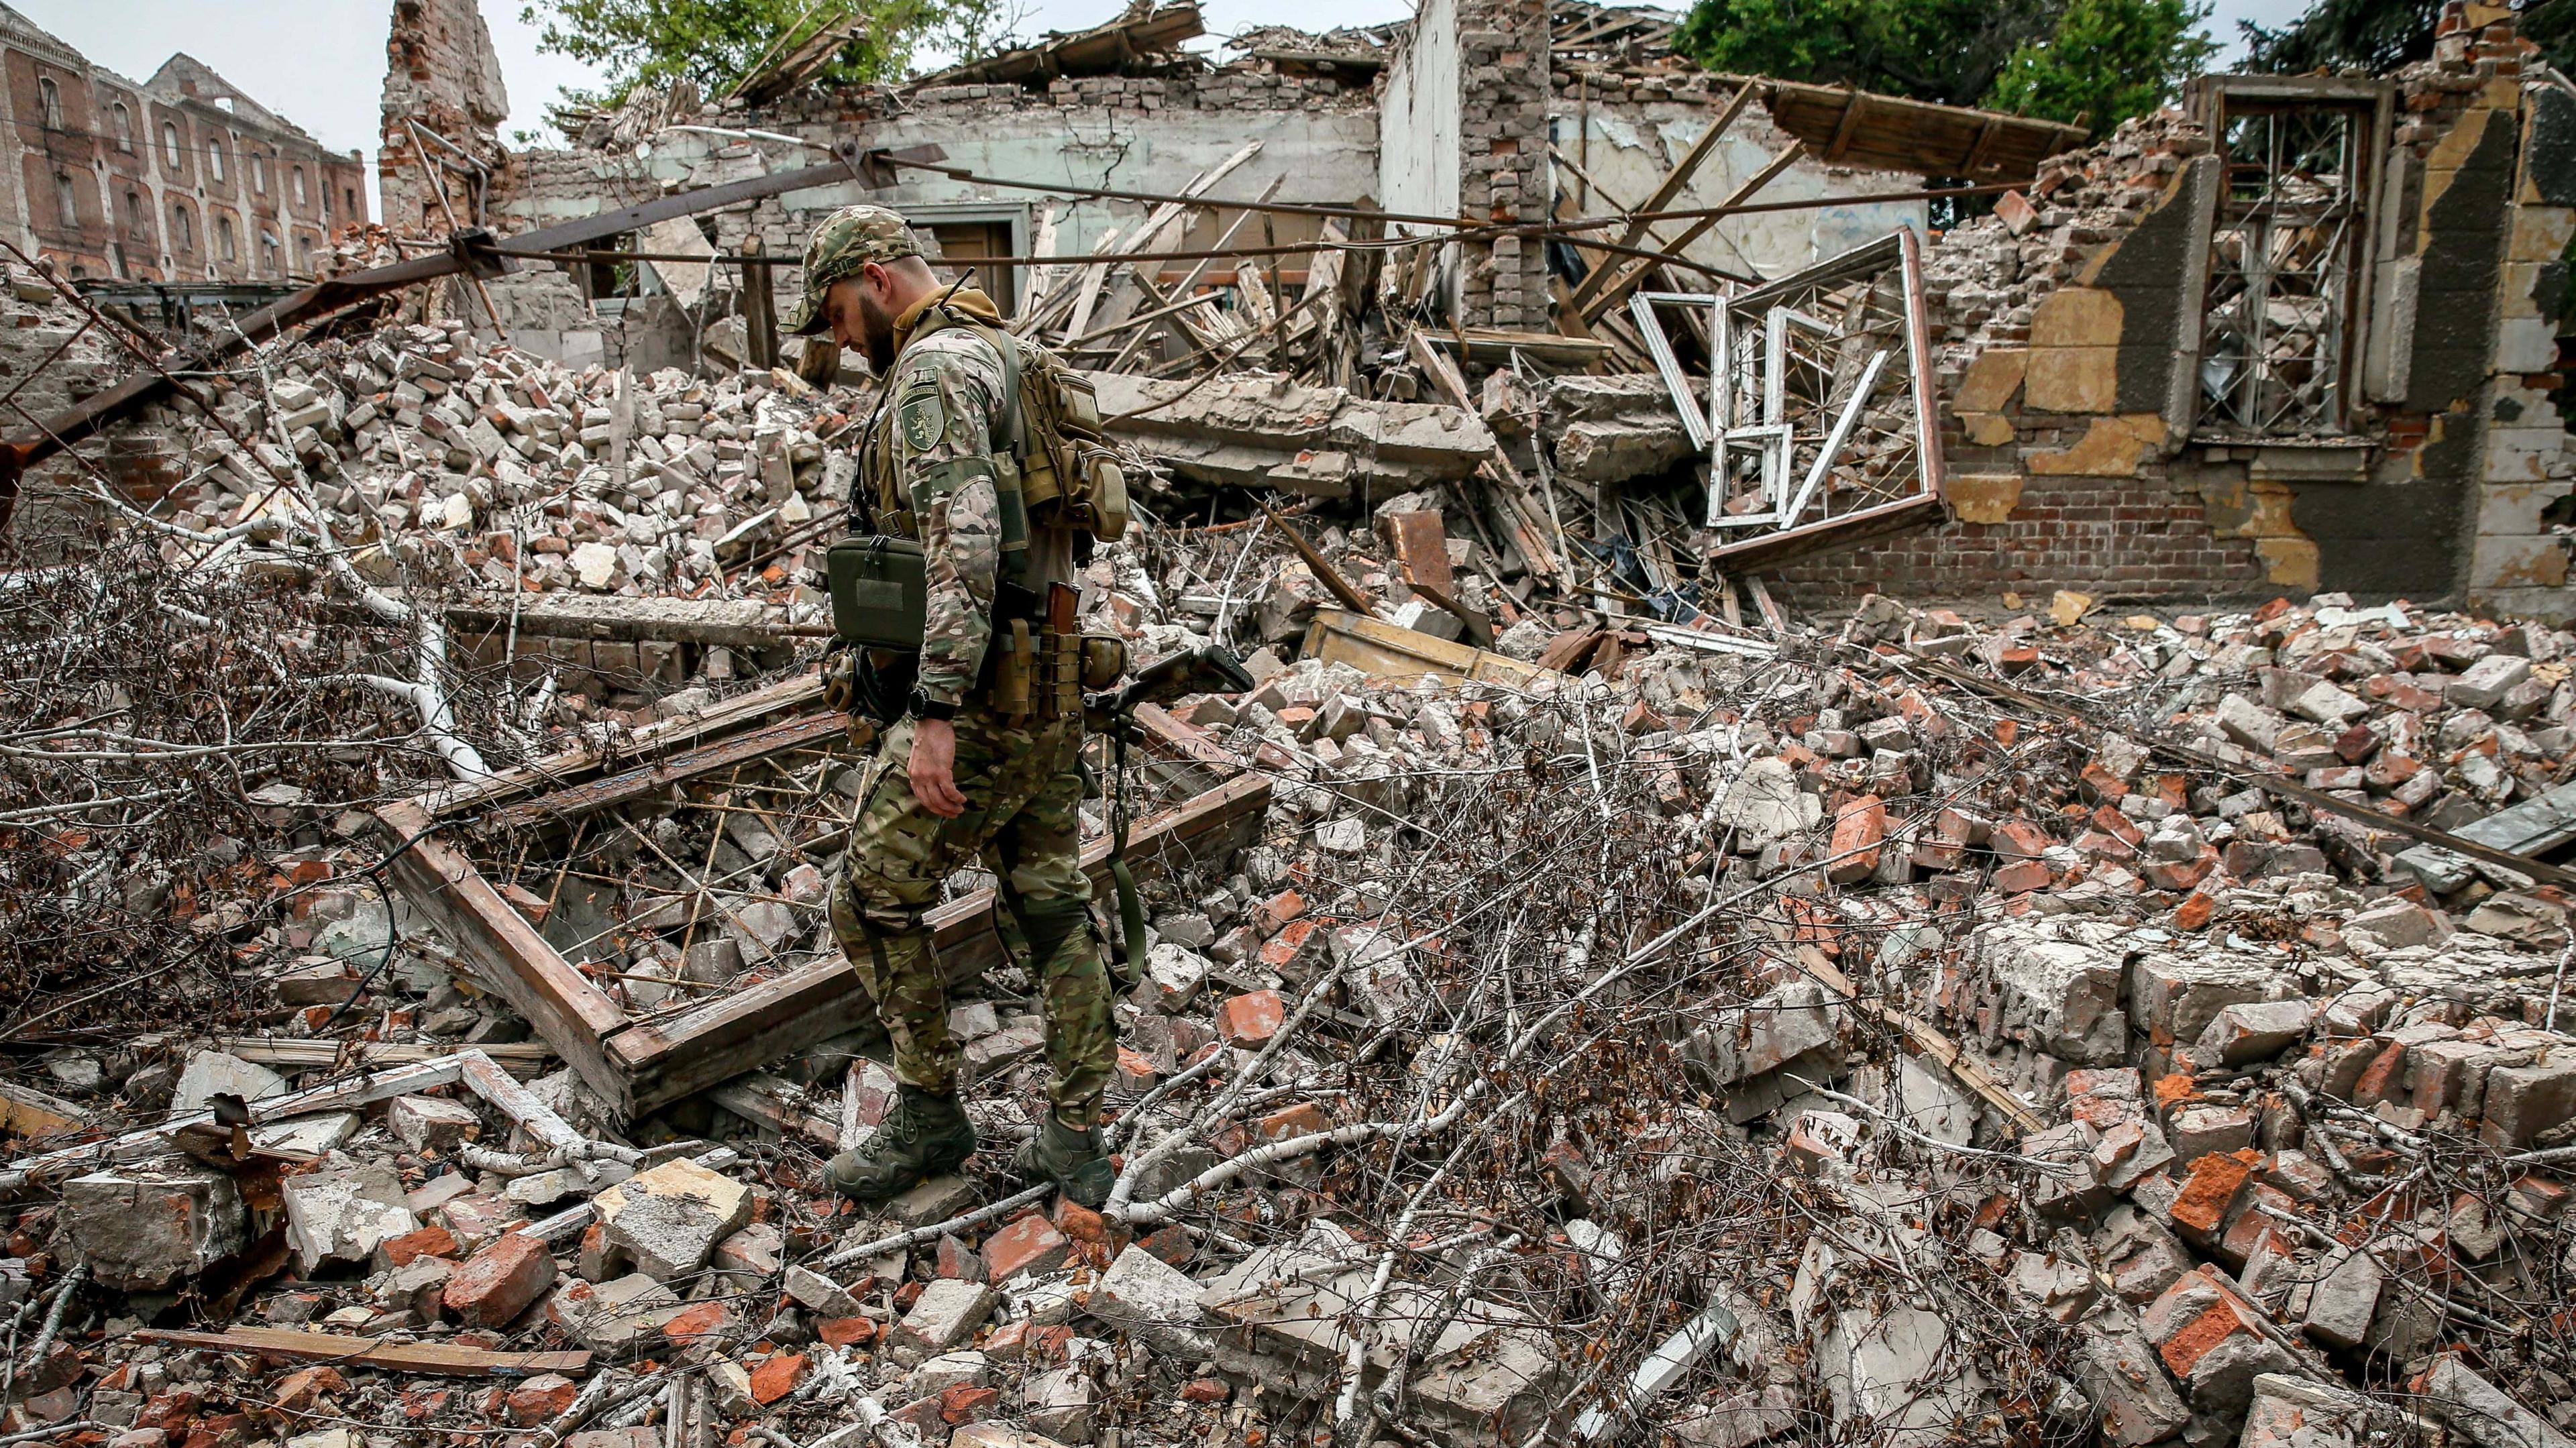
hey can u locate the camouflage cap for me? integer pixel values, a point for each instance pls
(847, 240)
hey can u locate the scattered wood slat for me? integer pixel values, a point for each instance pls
(1384, 651)
(436, 1359)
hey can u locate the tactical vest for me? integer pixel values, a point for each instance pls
(1057, 479)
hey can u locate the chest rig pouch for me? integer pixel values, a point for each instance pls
(878, 581)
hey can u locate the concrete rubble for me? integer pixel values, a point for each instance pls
(1636, 1006)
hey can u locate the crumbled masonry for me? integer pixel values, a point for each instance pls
(2046, 963)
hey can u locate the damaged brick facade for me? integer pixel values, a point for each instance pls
(181, 176)
(2070, 327)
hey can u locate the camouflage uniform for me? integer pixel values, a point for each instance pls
(940, 419)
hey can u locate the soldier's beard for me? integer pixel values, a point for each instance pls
(876, 334)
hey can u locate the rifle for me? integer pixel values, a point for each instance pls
(1211, 669)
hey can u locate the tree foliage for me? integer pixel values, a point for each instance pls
(2375, 37)
(2104, 60)
(2108, 60)
(715, 43)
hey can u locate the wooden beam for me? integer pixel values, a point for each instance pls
(573, 1015)
(634, 784)
(1630, 270)
(1671, 186)
(1855, 106)
(662, 1061)
(436, 1359)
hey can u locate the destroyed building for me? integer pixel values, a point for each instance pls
(1857, 822)
(179, 178)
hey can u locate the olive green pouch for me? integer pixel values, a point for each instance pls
(879, 594)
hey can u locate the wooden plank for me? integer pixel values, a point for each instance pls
(741, 711)
(764, 1100)
(296, 1053)
(1383, 650)
(573, 1015)
(1630, 270)
(1661, 198)
(1855, 106)
(30, 1113)
(1528, 516)
(634, 784)
(1772, 618)
(436, 1359)
(662, 1061)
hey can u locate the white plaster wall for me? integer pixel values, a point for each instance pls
(1320, 156)
(1418, 124)
(1628, 148)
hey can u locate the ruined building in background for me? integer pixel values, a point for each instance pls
(2299, 333)
(179, 178)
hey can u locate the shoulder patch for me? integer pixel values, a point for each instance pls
(922, 418)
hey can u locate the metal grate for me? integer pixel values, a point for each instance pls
(2276, 322)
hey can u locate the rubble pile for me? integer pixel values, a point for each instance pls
(501, 470)
(1757, 1034)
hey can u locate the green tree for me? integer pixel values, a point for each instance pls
(715, 43)
(2103, 59)
(2108, 60)
(2377, 36)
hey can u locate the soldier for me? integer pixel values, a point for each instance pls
(959, 775)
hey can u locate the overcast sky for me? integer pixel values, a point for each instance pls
(321, 63)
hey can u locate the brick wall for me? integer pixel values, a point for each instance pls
(1503, 86)
(442, 73)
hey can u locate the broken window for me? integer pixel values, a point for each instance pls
(1815, 420)
(66, 199)
(183, 230)
(2285, 253)
(49, 97)
(124, 128)
(170, 144)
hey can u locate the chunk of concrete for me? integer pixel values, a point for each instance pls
(947, 1313)
(146, 1228)
(213, 1073)
(669, 1219)
(430, 1123)
(341, 1215)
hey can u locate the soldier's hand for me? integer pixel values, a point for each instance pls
(933, 768)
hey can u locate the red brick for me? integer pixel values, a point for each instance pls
(298, 1391)
(1031, 1244)
(2210, 1192)
(2019, 839)
(431, 1241)
(2194, 912)
(2023, 876)
(845, 1331)
(1275, 912)
(1080, 1223)
(953, 1258)
(1205, 1390)
(1858, 829)
(1302, 1119)
(705, 1320)
(961, 1405)
(2217, 1324)
(1250, 1020)
(496, 1284)
(1172, 1244)
(540, 1398)
(777, 1377)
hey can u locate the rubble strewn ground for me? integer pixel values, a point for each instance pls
(1601, 1006)
(1716, 1035)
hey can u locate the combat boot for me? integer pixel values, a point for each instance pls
(1076, 1161)
(924, 1136)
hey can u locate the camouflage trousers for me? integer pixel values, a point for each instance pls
(1023, 791)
